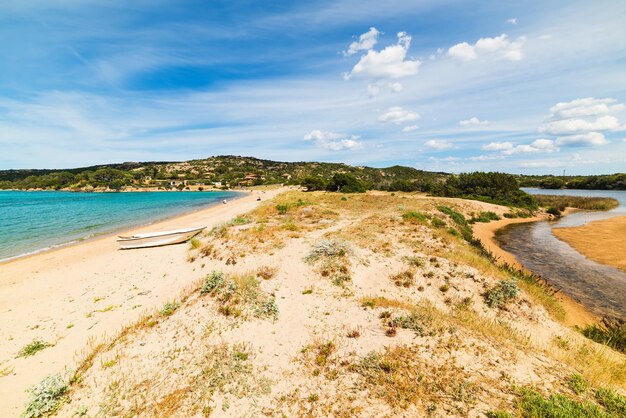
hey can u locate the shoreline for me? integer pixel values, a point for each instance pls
(75, 296)
(118, 230)
(576, 313)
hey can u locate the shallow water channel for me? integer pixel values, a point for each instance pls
(599, 287)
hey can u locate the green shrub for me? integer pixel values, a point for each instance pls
(169, 308)
(532, 404)
(46, 397)
(612, 402)
(33, 348)
(553, 211)
(412, 216)
(346, 183)
(577, 383)
(282, 209)
(501, 293)
(609, 332)
(485, 217)
(212, 281)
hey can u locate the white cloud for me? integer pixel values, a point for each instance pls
(392, 86)
(397, 114)
(410, 128)
(498, 146)
(512, 21)
(571, 126)
(538, 145)
(473, 121)
(333, 141)
(390, 62)
(438, 144)
(588, 106)
(366, 42)
(588, 139)
(499, 46)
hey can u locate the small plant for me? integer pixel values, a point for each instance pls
(46, 397)
(169, 308)
(391, 332)
(266, 272)
(354, 333)
(307, 291)
(314, 397)
(610, 332)
(485, 217)
(438, 223)
(553, 211)
(577, 384)
(33, 348)
(268, 309)
(195, 243)
(502, 293)
(384, 315)
(282, 209)
(403, 279)
(328, 248)
(444, 288)
(413, 216)
(212, 281)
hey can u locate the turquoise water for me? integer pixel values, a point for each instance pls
(33, 221)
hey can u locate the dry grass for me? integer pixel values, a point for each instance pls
(383, 302)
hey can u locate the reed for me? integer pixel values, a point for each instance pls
(578, 202)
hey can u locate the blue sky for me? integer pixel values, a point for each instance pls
(525, 87)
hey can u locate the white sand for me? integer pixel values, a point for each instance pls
(56, 296)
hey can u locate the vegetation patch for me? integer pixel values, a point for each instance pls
(33, 348)
(239, 296)
(485, 217)
(46, 397)
(414, 216)
(405, 278)
(500, 294)
(558, 203)
(611, 332)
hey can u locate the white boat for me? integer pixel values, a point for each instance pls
(156, 239)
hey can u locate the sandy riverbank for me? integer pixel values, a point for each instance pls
(603, 241)
(576, 313)
(72, 296)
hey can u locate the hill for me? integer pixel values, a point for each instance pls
(219, 171)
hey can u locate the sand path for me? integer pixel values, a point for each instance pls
(74, 296)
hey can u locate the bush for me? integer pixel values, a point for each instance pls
(46, 397)
(328, 248)
(213, 280)
(414, 216)
(611, 332)
(346, 183)
(313, 183)
(553, 211)
(33, 348)
(485, 217)
(282, 209)
(503, 292)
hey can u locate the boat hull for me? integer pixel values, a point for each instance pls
(157, 239)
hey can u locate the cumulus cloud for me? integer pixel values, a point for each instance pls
(588, 139)
(333, 141)
(438, 144)
(410, 128)
(572, 126)
(538, 145)
(389, 63)
(498, 146)
(473, 121)
(366, 42)
(588, 106)
(499, 46)
(397, 114)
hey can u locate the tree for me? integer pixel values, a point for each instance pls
(345, 183)
(313, 183)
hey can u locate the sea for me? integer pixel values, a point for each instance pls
(34, 221)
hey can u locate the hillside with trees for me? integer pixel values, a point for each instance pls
(615, 181)
(221, 172)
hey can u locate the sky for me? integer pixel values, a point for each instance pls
(532, 87)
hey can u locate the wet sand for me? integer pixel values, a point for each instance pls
(603, 241)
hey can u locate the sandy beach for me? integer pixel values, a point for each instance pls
(602, 241)
(74, 296)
